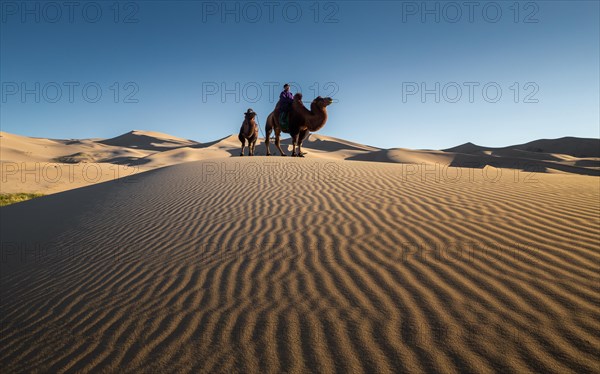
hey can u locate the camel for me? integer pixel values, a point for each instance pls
(301, 122)
(249, 131)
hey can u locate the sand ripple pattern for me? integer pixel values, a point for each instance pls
(304, 266)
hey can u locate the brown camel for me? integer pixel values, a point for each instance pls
(249, 131)
(301, 122)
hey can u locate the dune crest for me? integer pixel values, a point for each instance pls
(148, 140)
(61, 165)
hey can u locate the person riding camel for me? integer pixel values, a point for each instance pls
(285, 105)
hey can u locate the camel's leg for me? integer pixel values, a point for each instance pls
(301, 138)
(295, 144)
(251, 147)
(268, 138)
(243, 140)
(277, 139)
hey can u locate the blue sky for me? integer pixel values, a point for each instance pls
(191, 68)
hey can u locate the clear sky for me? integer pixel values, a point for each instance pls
(502, 73)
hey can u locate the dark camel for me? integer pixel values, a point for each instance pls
(301, 122)
(249, 131)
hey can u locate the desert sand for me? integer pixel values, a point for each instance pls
(39, 165)
(423, 261)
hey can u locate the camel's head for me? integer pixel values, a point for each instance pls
(250, 114)
(322, 102)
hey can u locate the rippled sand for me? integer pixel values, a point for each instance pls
(305, 265)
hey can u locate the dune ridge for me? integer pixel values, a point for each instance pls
(371, 268)
(147, 140)
(59, 165)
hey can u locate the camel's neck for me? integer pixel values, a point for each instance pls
(248, 128)
(317, 119)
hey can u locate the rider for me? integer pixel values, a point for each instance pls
(285, 105)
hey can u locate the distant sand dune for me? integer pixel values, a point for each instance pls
(216, 266)
(148, 140)
(577, 147)
(139, 151)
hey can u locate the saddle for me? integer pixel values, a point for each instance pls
(284, 122)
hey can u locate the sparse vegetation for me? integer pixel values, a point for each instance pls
(13, 198)
(75, 158)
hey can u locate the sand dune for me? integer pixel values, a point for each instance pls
(568, 154)
(17, 148)
(49, 165)
(53, 165)
(407, 156)
(148, 140)
(578, 147)
(373, 267)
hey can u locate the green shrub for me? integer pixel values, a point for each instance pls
(12, 198)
